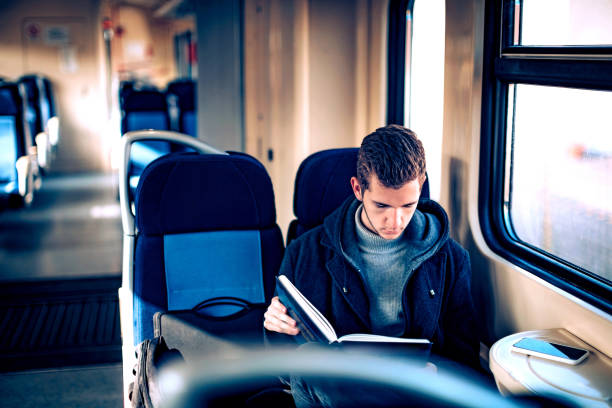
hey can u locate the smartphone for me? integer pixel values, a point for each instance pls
(544, 349)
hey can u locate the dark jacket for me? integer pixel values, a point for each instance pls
(437, 300)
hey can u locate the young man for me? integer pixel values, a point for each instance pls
(383, 262)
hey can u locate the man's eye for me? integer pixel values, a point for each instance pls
(378, 205)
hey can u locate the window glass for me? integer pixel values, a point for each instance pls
(559, 186)
(564, 22)
(424, 83)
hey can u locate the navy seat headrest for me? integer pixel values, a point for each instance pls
(146, 100)
(323, 183)
(187, 192)
(49, 96)
(9, 99)
(185, 92)
(31, 88)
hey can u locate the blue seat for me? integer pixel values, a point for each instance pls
(207, 240)
(182, 93)
(322, 183)
(49, 96)
(125, 88)
(144, 109)
(52, 120)
(33, 116)
(37, 101)
(14, 146)
(39, 113)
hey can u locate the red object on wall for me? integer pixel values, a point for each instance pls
(107, 23)
(193, 56)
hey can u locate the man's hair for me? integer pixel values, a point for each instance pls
(394, 154)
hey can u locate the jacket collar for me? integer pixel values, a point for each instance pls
(349, 281)
(332, 224)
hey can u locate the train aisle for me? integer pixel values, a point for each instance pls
(60, 263)
(72, 230)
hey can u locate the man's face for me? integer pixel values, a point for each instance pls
(387, 211)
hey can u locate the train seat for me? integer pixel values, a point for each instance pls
(40, 116)
(182, 94)
(144, 109)
(16, 162)
(52, 118)
(33, 117)
(32, 102)
(207, 241)
(321, 185)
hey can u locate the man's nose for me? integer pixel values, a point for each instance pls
(396, 217)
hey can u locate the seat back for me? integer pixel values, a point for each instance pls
(49, 96)
(207, 234)
(12, 137)
(53, 118)
(125, 88)
(39, 114)
(38, 100)
(32, 112)
(322, 183)
(144, 109)
(182, 92)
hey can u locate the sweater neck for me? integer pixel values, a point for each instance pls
(369, 241)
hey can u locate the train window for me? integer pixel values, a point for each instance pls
(563, 22)
(558, 187)
(424, 82)
(545, 197)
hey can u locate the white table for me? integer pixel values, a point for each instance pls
(588, 383)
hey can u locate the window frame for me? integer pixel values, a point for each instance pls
(396, 60)
(582, 67)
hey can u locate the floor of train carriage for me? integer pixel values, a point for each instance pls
(60, 263)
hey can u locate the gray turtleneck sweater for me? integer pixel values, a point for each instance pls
(386, 265)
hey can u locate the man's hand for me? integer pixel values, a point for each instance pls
(277, 319)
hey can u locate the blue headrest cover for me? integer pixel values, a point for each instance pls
(147, 100)
(323, 183)
(187, 192)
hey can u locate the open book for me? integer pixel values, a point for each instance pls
(315, 327)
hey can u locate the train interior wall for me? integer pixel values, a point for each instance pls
(74, 66)
(509, 299)
(314, 78)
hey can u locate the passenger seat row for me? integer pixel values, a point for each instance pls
(145, 107)
(202, 248)
(29, 135)
(206, 232)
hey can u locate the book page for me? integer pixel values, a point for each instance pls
(375, 338)
(313, 313)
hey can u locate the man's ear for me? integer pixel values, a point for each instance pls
(356, 188)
